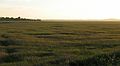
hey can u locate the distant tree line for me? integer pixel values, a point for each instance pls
(17, 19)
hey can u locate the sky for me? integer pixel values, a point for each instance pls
(61, 9)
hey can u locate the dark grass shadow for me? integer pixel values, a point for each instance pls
(11, 58)
(8, 42)
(10, 50)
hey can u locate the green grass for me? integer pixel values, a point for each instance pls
(60, 44)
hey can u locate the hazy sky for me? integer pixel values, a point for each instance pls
(61, 9)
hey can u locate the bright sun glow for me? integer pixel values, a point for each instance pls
(61, 9)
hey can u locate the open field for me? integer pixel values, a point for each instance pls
(60, 44)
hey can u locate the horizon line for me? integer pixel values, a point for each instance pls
(67, 19)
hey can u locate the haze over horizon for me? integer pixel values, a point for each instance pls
(61, 9)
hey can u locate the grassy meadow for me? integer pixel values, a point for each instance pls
(60, 44)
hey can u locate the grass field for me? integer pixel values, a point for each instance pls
(60, 44)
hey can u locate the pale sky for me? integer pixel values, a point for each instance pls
(61, 9)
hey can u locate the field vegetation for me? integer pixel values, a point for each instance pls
(60, 43)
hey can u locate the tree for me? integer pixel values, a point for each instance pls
(19, 18)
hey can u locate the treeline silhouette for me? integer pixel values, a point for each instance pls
(17, 19)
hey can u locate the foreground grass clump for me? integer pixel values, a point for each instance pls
(110, 59)
(60, 44)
